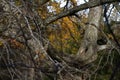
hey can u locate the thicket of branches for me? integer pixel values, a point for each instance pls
(27, 53)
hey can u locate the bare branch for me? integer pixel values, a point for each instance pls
(86, 5)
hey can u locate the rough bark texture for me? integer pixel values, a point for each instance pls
(33, 54)
(88, 48)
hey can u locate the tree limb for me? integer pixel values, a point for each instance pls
(86, 5)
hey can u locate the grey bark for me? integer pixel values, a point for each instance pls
(88, 49)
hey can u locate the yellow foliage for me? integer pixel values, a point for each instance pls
(56, 6)
(63, 38)
(74, 2)
(1, 43)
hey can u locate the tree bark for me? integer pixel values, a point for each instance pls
(88, 49)
(90, 4)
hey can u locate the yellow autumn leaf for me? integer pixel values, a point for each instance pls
(1, 43)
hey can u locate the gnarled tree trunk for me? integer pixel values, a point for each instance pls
(88, 48)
